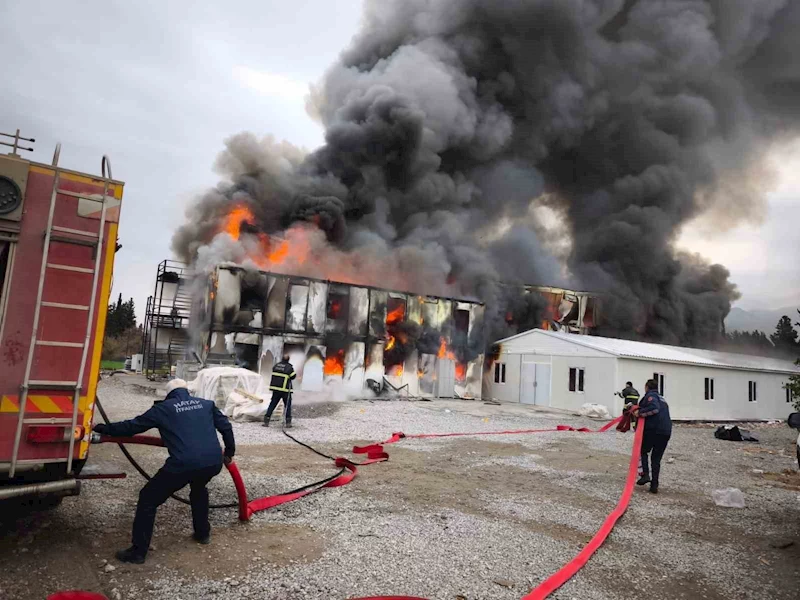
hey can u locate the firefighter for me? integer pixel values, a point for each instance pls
(188, 427)
(281, 386)
(630, 394)
(657, 432)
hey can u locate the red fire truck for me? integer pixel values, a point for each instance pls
(58, 238)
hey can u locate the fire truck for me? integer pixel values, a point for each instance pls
(58, 238)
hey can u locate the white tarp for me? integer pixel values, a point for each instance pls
(217, 384)
(594, 411)
(243, 406)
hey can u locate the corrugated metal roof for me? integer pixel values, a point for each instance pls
(674, 354)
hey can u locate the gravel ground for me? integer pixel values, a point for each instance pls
(463, 517)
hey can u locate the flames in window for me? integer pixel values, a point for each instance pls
(447, 353)
(334, 362)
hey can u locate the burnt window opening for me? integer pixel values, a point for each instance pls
(253, 293)
(334, 358)
(395, 350)
(247, 356)
(395, 311)
(337, 309)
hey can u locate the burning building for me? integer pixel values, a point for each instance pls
(362, 336)
(472, 148)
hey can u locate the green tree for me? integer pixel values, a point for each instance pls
(785, 336)
(121, 318)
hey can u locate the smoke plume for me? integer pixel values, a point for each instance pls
(447, 122)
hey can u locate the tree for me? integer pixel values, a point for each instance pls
(785, 336)
(121, 317)
(794, 388)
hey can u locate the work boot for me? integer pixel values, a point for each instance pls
(288, 425)
(654, 489)
(643, 480)
(131, 555)
(265, 424)
(202, 539)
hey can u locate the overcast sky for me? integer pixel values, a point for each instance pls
(158, 86)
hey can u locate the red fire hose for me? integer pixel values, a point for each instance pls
(376, 453)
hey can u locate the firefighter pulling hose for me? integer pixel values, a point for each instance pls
(188, 428)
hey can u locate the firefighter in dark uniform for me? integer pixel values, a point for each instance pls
(281, 386)
(629, 394)
(631, 397)
(657, 432)
(188, 427)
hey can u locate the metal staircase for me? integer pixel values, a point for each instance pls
(166, 326)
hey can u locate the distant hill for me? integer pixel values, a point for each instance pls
(761, 320)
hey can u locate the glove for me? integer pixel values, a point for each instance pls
(100, 428)
(227, 459)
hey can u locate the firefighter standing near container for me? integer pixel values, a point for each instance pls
(188, 428)
(631, 397)
(281, 386)
(630, 394)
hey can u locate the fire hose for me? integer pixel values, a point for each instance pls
(376, 453)
(246, 509)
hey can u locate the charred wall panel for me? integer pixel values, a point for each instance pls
(377, 314)
(317, 307)
(374, 362)
(226, 304)
(271, 350)
(276, 303)
(358, 311)
(414, 309)
(428, 374)
(312, 380)
(296, 306)
(354, 366)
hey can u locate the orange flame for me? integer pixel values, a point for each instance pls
(334, 364)
(461, 371)
(390, 343)
(396, 371)
(396, 315)
(239, 215)
(444, 351)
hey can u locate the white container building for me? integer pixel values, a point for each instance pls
(565, 371)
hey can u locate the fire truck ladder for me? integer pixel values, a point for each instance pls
(52, 234)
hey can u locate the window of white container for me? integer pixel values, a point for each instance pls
(789, 396)
(659, 379)
(576, 379)
(752, 395)
(499, 372)
(709, 388)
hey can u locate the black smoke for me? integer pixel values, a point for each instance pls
(453, 129)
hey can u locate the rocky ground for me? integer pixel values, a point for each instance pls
(447, 518)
